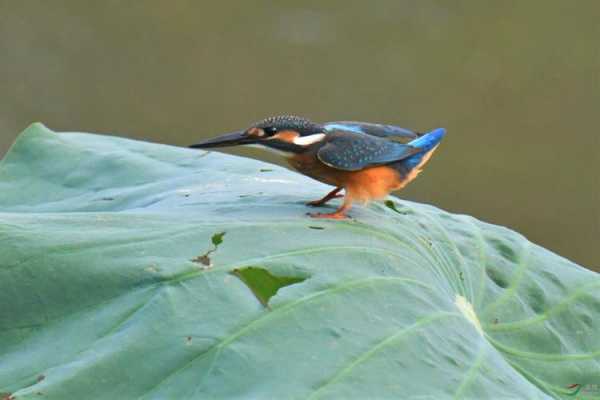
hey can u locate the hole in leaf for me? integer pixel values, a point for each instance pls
(204, 259)
(392, 206)
(264, 284)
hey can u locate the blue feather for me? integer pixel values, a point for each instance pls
(425, 143)
(352, 151)
(379, 130)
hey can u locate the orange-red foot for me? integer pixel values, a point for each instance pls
(321, 202)
(335, 215)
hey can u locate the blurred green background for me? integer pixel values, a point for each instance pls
(516, 83)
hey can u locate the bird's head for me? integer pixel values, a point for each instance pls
(287, 133)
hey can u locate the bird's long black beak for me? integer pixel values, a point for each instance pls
(229, 139)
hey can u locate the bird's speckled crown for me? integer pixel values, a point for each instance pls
(290, 122)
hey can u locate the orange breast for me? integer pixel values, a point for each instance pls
(372, 183)
(364, 185)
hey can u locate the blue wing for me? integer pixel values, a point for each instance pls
(425, 144)
(351, 151)
(378, 130)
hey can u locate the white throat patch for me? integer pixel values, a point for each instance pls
(308, 140)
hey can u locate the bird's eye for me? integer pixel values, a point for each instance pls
(270, 131)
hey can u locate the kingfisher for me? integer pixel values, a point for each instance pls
(366, 160)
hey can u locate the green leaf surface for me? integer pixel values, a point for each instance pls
(100, 299)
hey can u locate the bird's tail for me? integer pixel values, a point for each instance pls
(426, 143)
